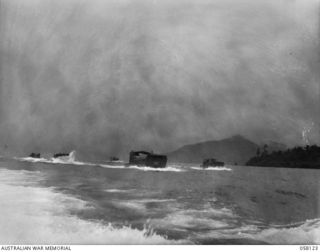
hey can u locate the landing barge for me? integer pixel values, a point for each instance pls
(144, 158)
(211, 162)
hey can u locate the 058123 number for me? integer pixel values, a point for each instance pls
(309, 247)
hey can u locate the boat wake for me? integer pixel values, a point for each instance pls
(71, 160)
(308, 232)
(30, 159)
(143, 168)
(117, 165)
(166, 169)
(211, 168)
(53, 216)
(221, 225)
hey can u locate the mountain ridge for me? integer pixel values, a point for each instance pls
(233, 150)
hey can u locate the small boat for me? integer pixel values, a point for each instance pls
(60, 155)
(35, 155)
(211, 162)
(144, 158)
(114, 159)
(65, 157)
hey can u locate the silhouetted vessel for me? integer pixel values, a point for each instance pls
(60, 155)
(144, 158)
(65, 157)
(35, 155)
(114, 159)
(211, 162)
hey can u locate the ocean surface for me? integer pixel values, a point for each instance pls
(64, 201)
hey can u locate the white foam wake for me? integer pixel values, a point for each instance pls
(30, 159)
(197, 219)
(140, 205)
(33, 215)
(306, 233)
(70, 159)
(142, 168)
(222, 223)
(119, 190)
(166, 169)
(211, 168)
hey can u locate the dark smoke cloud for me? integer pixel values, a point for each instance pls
(104, 77)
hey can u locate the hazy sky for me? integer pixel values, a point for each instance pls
(105, 76)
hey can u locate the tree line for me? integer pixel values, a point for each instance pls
(297, 157)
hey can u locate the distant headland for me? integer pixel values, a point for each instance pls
(297, 157)
(234, 150)
(238, 150)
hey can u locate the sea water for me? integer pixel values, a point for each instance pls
(44, 201)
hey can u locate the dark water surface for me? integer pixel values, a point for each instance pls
(81, 203)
